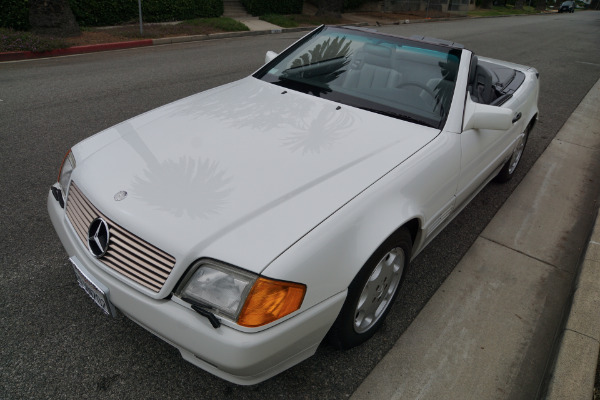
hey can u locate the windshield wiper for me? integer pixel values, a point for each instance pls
(302, 86)
(403, 117)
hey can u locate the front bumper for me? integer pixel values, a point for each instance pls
(239, 357)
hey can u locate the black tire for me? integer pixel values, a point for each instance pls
(509, 168)
(381, 276)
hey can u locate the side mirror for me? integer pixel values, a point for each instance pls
(270, 56)
(482, 116)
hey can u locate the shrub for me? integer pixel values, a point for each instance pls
(113, 12)
(14, 14)
(11, 40)
(262, 7)
(104, 12)
(177, 10)
(348, 4)
(353, 4)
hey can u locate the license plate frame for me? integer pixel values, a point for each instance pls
(96, 290)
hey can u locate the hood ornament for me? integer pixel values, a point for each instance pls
(120, 195)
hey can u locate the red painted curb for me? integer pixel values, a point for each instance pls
(25, 55)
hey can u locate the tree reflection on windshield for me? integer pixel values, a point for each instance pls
(313, 70)
(327, 50)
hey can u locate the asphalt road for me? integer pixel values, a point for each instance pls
(54, 343)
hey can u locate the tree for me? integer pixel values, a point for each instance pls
(331, 8)
(541, 5)
(486, 4)
(52, 17)
(519, 4)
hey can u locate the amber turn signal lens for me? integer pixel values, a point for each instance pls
(62, 165)
(270, 300)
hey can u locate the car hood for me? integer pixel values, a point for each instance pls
(240, 172)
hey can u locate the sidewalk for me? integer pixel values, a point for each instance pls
(491, 329)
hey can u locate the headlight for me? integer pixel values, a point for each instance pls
(241, 296)
(220, 288)
(64, 174)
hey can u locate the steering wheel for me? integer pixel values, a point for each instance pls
(419, 85)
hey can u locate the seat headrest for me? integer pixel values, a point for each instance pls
(376, 55)
(377, 50)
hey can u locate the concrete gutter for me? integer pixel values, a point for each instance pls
(26, 55)
(574, 370)
(491, 329)
(573, 374)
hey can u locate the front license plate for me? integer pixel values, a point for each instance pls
(97, 291)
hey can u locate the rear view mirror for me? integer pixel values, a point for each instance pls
(482, 116)
(270, 56)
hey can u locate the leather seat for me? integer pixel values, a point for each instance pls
(480, 83)
(372, 68)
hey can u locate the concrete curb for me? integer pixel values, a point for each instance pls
(573, 375)
(574, 370)
(226, 35)
(26, 55)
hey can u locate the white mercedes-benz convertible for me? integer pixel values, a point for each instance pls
(245, 224)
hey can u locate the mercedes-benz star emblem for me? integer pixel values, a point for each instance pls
(98, 237)
(120, 195)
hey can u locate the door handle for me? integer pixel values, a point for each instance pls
(516, 118)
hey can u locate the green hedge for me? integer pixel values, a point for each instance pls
(262, 7)
(161, 10)
(348, 4)
(353, 4)
(111, 12)
(15, 13)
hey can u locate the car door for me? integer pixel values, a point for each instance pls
(483, 151)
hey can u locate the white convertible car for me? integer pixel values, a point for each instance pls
(245, 224)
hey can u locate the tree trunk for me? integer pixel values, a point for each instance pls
(331, 8)
(519, 4)
(52, 17)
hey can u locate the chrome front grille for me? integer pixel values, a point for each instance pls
(127, 254)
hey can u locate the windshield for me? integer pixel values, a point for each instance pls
(393, 76)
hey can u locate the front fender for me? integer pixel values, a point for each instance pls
(328, 257)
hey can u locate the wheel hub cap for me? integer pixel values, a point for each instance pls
(379, 290)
